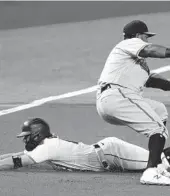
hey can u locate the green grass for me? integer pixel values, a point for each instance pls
(50, 60)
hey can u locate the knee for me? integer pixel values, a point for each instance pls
(165, 133)
(162, 111)
(159, 129)
(165, 113)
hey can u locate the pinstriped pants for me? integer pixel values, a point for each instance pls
(123, 155)
(122, 106)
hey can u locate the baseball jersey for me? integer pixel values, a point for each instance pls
(125, 67)
(66, 154)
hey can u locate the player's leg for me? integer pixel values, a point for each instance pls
(159, 108)
(162, 112)
(124, 156)
(124, 107)
(129, 108)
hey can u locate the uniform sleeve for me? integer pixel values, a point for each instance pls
(41, 153)
(133, 46)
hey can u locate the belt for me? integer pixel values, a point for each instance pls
(107, 86)
(103, 88)
(101, 156)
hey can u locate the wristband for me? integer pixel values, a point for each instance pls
(17, 162)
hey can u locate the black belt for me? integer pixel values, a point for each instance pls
(103, 88)
(96, 145)
(108, 86)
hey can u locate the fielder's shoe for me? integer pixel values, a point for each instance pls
(152, 176)
(162, 170)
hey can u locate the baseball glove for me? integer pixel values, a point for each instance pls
(157, 81)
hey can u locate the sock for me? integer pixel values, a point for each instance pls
(156, 146)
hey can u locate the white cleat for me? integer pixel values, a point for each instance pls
(162, 170)
(153, 176)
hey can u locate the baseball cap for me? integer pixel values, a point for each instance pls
(137, 26)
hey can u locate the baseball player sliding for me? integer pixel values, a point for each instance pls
(109, 154)
(120, 100)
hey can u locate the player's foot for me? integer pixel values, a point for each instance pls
(162, 170)
(153, 176)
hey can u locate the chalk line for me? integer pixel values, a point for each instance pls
(47, 99)
(66, 95)
(161, 69)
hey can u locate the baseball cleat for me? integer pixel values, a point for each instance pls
(162, 170)
(153, 176)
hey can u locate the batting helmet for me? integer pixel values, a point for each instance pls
(34, 131)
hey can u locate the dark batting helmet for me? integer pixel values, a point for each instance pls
(34, 131)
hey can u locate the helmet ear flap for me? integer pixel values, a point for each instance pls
(34, 141)
(36, 137)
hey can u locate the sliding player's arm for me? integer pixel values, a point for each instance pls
(15, 161)
(10, 154)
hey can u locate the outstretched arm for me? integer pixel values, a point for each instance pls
(155, 51)
(14, 161)
(10, 154)
(158, 81)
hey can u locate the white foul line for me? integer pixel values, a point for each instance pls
(47, 99)
(161, 69)
(66, 95)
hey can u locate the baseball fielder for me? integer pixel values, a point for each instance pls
(120, 100)
(109, 154)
